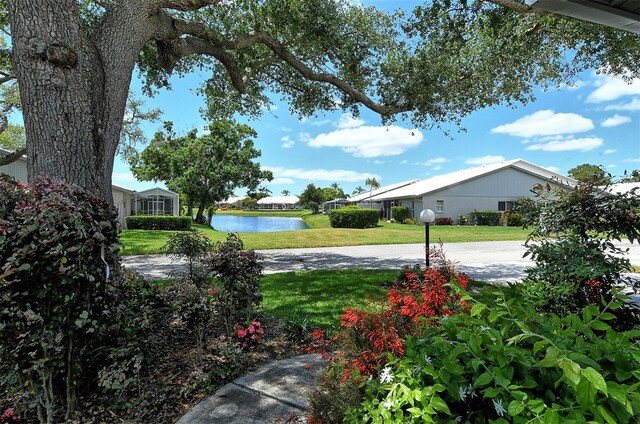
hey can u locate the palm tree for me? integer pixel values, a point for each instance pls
(358, 190)
(372, 183)
(286, 192)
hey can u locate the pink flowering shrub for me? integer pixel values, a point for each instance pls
(9, 416)
(250, 336)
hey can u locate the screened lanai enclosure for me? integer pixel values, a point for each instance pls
(156, 201)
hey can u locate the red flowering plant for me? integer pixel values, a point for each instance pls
(368, 339)
(251, 335)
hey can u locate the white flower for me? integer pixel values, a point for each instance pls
(370, 378)
(463, 393)
(416, 369)
(483, 328)
(471, 391)
(499, 408)
(427, 359)
(387, 404)
(386, 376)
(458, 419)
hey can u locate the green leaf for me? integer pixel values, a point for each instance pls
(596, 379)
(606, 415)
(551, 417)
(607, 316)
(440, 405)
(599, 325)
(570, 370)
(483, 380)
(477, 309)
(515, 407)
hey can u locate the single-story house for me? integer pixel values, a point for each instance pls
(279, 203)
(232, 202)
(335, 204)
(154, 201)
(623, 188)
(366, 199)
(488, 187)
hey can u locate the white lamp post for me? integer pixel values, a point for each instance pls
(427, 217)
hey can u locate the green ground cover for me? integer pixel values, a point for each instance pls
(138, 242)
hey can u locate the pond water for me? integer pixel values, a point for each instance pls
(256, 224)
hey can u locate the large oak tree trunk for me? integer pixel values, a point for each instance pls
(74, 86)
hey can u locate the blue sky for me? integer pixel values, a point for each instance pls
(597, 121)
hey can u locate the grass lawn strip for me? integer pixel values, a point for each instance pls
(140, 242)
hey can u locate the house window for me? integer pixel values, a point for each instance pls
(439, 205)
(505, 206)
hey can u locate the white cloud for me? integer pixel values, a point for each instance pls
(370, 142)
(280, 181)
(484, 160)
(315, 123)
(580, 144)
(546, 122)
(612, 165)
(404, 162)
(632, 160)
(378, 162)
(611, 88)
(434, 161)
(332, 175)
(633, 105)
(552, 168)
(616, 120)
(609, 151)
(287, 142)
(348, 121)
(287, 129)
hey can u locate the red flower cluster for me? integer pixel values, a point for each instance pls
(593, 290)
(430, 297)
(367, 338)
(251, 336)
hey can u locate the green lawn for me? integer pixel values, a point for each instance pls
(137, 242)
(321, 296)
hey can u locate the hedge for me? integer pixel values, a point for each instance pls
(354, 217)
(485, 217)
(444, 220)
(399, 213)
(152, 222)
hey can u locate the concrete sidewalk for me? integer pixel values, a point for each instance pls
(279, 390)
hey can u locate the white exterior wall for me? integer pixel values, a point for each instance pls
(17, 170)
(483, 193)
(122, 202)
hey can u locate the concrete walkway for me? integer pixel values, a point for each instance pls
(278, 391)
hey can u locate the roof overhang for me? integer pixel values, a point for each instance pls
(593, 11)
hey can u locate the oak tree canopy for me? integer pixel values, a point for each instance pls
(74, 60)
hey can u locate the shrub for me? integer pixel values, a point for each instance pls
(250, 335)
(443, 220)
(462, 220)
(508, 363)
(144, 222)
(354, 217)
(238, 273)
(58, 245)
(512, 219)
(583, 264)
(190, 245)
(369, 337)
(411, 221)
(399, 213)
(485, 217)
